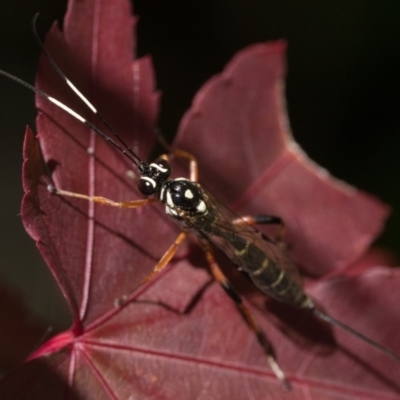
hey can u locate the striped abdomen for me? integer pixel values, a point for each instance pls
(266, 265)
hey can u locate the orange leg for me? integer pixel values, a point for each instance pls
(246, 313)
(102, 200)
(193, 167)
(166, 258)
(263, 219)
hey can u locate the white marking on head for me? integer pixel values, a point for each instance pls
(156, 166)
(169, 200)
(201, 207)
(181, 179)
(189, 194)
(152, 181)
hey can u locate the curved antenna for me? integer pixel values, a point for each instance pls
(138, 162)
(327, 318)
(76, 90)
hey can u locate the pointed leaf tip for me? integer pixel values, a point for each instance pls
(238, 130)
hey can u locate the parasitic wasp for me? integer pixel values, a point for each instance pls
(261, 259)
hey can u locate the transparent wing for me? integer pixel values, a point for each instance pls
(218, 228)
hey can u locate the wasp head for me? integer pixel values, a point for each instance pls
(153, 177)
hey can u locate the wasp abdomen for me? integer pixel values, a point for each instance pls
(267, 275)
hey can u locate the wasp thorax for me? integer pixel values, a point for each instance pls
(153, 176)
(183, 195)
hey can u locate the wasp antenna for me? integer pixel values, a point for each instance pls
(163, 141)
(75, 115)
(77, 91)
(327, 318)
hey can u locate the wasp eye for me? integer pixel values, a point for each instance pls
(147, 186)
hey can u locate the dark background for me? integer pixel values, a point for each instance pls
(343, 95)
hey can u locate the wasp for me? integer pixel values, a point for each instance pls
(263, 260)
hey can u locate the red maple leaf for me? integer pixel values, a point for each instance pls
(180, 337)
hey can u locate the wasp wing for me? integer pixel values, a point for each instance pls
(233, 236)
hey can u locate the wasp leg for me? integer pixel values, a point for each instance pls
(193, 167)
(175, 152)
(162, 263)
(264, 219)
(247, 315)
(102, 200)
(166, 258)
